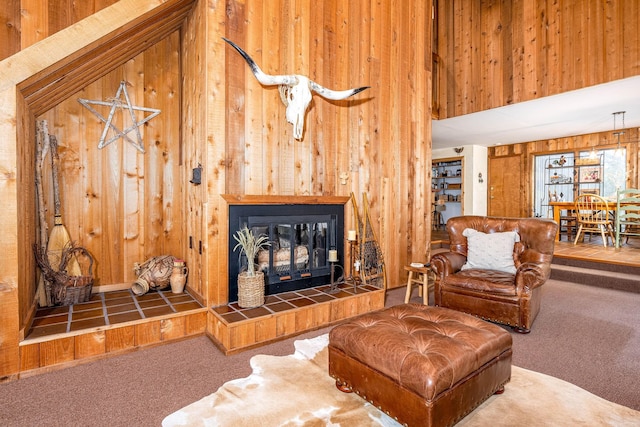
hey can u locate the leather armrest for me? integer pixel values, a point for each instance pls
(530, 275)
(446, 263)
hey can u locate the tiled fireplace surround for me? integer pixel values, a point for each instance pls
(234, 329)
(117, 322)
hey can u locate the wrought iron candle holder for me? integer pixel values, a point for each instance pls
(335, 282)
(354, 264)
(354, 267)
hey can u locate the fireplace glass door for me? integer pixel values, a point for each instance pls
(299, 246)
(300, 238)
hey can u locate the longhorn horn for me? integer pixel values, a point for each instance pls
(334, 95)
(261, 76)
(295, 91)
(291, 80)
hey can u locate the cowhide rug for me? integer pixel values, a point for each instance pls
(296, 390)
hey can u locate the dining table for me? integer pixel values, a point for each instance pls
(558, 207)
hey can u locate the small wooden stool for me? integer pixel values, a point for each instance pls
(422, 276)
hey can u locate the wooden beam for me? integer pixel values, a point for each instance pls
(48, 87)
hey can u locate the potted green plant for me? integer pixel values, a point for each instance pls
(250, 282)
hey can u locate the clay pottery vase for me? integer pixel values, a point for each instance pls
(178, 276)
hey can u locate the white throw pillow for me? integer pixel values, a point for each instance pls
(493, 251)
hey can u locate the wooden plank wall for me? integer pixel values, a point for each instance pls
(379, 139)
(494, 52)
(41, 73)
(32, 73)
(124, 206)
(24, 22)
(194, 142)
(527, 151)
(500, 52)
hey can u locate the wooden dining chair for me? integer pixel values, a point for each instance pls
(592, 213)
(627, 214)
(568, 224)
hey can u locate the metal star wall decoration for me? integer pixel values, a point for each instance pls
(117, 103)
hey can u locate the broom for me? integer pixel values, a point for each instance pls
(59, 237)
(43, 297)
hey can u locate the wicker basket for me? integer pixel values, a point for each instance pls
(250, 290)
(66, 289)
(76, 289)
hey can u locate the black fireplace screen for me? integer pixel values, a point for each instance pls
(300, 236)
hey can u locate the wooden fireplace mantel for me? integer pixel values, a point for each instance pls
(248, 199)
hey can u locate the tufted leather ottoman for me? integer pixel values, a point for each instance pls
(423, 366)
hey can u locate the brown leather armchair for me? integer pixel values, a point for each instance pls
(503, 297)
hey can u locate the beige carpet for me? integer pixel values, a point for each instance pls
(296, 390)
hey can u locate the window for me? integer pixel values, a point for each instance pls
(615, 170)
(563, 176)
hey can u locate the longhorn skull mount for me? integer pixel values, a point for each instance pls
(295, 91)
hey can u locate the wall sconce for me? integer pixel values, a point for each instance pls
(480, 180)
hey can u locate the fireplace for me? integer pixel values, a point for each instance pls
(301, 236)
